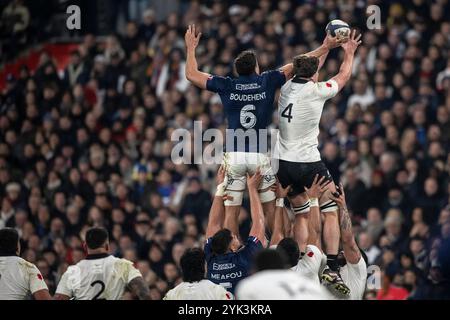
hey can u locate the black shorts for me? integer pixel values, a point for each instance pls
(300, 174)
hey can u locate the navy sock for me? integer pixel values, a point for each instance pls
(332, 262)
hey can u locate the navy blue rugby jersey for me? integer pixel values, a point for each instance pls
(230, 268)
(248, 106)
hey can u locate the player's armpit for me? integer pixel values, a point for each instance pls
(140, 288)
(42, 295)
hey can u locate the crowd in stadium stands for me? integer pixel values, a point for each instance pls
(91, 146)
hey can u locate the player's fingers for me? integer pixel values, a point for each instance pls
(199, 35)
(321, 180)
(359, 42)
(315, 179)
(358, 37)
(325, 184)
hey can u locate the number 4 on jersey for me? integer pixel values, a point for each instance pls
(287, 112)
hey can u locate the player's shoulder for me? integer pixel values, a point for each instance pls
(326, 85)
(122, 262)
(25, 263)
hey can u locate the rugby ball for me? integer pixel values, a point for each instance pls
(338, 28)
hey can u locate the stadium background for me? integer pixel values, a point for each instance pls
(86, 118)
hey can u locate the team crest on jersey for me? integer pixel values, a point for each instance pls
(328, 84)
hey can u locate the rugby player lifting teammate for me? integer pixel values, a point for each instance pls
(300, 108)
(248, 106)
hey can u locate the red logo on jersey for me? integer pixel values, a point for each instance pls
(39, 276)
(328, 85)
(228, 296)
(310, 254)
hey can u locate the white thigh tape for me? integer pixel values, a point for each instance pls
(267, 196)
(304, 208)
(329, 206)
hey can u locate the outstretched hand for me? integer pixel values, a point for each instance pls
(341, 199)
(192, 37)
(332, 42)
(353, 42)
(318, 187)
(254, 181)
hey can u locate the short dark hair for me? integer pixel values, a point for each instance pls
(305, 66)
(269, 259)
(245, 63)
(290, 248)
(9, 239)
(221, 241)
(96, 237)
(192, 264)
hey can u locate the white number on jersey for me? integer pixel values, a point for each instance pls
(248, 118)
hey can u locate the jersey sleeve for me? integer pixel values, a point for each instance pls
(37, 282)
(222, 294)
(64, 286)
(130, 271)
(252, 246)
(207, 249)
(217, 84)
(327, 89)
(275, 78)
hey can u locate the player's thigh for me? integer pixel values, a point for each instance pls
(235, 170)
(261, 161)
(289, 174)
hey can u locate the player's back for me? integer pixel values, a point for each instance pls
(200, 290)
(97, 277)
(300, 109)
(280, 285)
(248, 103)
(19, 279)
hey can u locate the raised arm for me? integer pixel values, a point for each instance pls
(258, 229)
(345, 71)
(351, 249)
(328, 43)
(318, 187)
(278, 228)
(217, 211)
(195, 76)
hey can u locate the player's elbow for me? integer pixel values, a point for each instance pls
(189, 75)
(347, 238)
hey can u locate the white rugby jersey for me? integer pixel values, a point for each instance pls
(309, 265)
(299, 108)
(19, 279)
(355, 277)
(98, 276)
(201, 290)
(280, 285)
